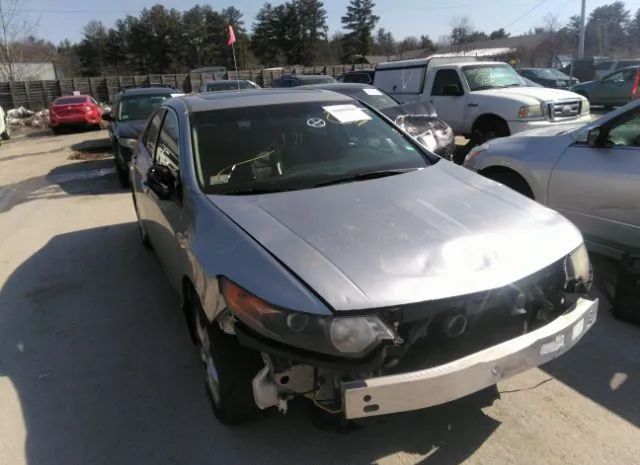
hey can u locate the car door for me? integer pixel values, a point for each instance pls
(168, 234)
(143, 160)
(450, 106)
(613, 89)
(598, 187)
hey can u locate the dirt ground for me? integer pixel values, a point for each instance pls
(96, 366)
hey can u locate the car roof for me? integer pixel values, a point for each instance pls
(338, 86)
(303, 77)
(148, 90)
(254, 97)
(226, 81)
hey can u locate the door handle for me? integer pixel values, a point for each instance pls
(472, 105)
(183, 239)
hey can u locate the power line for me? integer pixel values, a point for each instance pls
(525, 14)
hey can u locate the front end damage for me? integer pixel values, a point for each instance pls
(440, 350)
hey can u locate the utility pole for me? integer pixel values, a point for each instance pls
(582, 30)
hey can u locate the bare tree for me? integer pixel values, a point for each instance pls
(15, 28)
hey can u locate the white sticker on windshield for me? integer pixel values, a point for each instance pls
(347, 113)
(372, 92)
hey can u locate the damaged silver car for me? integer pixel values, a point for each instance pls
(321, 252)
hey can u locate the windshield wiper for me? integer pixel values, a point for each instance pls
(252, 190)
(366, 176)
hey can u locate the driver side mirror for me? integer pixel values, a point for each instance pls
(106, 114)
(593, 138)
(452, 90)
(597, 137)
(162, 181)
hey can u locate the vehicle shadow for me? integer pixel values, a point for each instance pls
(605, 366)
(82, 178)
(93, 342)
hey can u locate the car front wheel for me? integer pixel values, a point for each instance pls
(229, 370)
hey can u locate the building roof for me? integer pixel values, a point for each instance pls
(258, 97)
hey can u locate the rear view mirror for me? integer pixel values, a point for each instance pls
(107, 116)
(162, 181)
(452, 90)
(593, 138)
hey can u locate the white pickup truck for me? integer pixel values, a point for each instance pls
(480, 100)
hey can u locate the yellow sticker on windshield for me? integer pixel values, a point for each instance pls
(347, 113)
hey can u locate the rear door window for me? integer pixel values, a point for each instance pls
(445, 77)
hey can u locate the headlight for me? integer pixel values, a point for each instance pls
(578, 270)
(345, 336)
(128, 142)
(477, 150)
(534, 111)
(586, 107)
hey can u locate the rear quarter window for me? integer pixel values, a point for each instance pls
(70, 100)
(400, 81)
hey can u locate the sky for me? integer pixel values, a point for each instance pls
(66, 18)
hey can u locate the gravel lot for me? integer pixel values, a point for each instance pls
(96, 366)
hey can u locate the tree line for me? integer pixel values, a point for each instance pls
(163, 40)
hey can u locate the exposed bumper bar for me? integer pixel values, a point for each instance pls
(444, 383)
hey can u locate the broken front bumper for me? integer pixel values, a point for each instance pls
(453, 380)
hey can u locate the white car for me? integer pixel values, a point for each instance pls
(590, 174)
(480, 100)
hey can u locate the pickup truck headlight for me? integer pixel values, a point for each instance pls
(578, 271)
(529, 112)
(352, 337)
(585, 109)
(128, 142)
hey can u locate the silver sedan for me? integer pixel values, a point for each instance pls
(322, 252)
(590, 174)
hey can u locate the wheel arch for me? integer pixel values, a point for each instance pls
(495, 171)
(486, 118)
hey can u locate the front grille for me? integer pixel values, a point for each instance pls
(432, 338)
(565, 109)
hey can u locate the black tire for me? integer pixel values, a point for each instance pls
(56, 131)
(123, 175)
(488, 129)
(513, 181)
(5, 135)
(233, 366)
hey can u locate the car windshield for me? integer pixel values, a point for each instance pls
(297, 146)
(137, 107)
(70, 100)
(482, 77)
(549, 73)
(373, 97)
(227, 85)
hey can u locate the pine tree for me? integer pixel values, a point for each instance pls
(360, 22)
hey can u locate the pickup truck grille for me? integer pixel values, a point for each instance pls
(562, 110)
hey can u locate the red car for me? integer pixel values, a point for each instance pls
(74, 110)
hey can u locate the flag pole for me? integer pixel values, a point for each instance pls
(232, 42)
(233, 51)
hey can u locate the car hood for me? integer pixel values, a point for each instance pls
(412, 108)
(430, 234)
(540, 94)
(131, 129)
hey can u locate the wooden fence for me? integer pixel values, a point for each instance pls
(36, 95)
